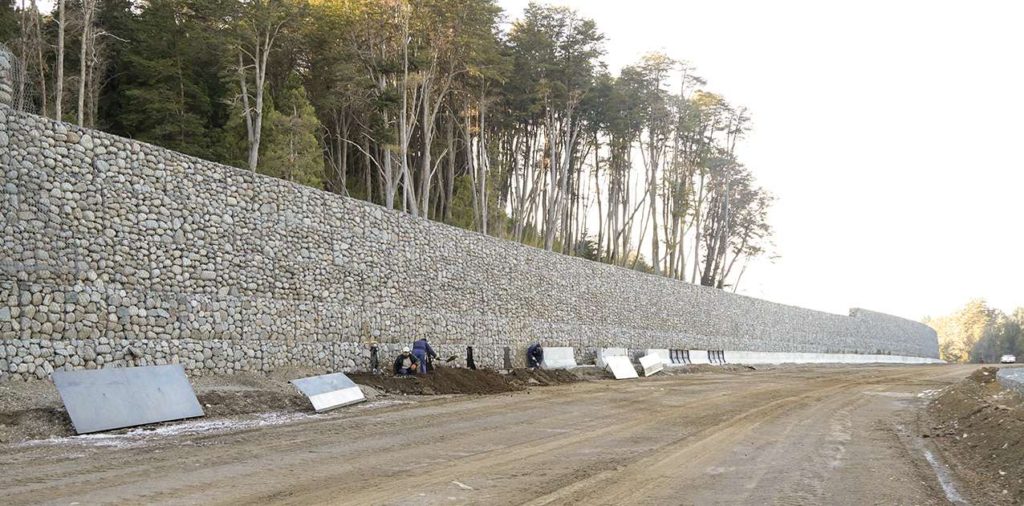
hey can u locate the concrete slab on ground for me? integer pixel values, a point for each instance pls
(621, 367)
(105, 399)
(651, 364)
(329, 391)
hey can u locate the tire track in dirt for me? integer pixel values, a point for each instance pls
(545, 445)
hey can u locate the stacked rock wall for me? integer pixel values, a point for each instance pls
(116, 252)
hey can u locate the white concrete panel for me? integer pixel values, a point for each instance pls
(558, 358)
(604, 353)
(662, 354)
(651, 364)
(336, 399)
(329, 391)
(621, 367)
(764, 357)
(699, 357)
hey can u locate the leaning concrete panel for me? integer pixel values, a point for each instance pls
(621, 367)
(651, 364)
(329, 391)
(604, 353)
(105, 399)
(559, 358)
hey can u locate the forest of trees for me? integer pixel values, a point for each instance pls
(444, 109)
(979, 333)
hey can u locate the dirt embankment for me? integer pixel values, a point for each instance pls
(979, 427)
(34, 410)
(448, 380)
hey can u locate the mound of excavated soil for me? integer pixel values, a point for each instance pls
(979, 426)
(34, 410)
(541, 377)
(31, 410)
(451, 380)
(442, 380)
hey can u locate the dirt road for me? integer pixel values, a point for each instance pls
(810, 435)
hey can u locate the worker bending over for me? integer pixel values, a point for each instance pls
(421, 350)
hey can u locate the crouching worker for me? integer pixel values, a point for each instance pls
(534, 355)
(406, 364)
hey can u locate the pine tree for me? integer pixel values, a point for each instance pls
(291, 150)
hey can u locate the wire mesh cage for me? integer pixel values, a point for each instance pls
(17, 88)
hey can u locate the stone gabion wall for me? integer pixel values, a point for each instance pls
(6, 79)
(116, 252)
(1011, 378)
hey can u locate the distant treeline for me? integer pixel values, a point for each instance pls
(979, 333)
(439, 108)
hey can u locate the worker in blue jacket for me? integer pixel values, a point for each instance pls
(534, 356)
(421, 350)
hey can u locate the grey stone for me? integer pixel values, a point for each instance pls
(146, 256)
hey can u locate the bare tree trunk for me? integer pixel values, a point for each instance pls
(261, 57)
(343, 162)
(88, 8)
(406, 123)
(246, 109)
(484, 166)
(22, 76)
(38, 37)
(449, 180)
(471, 169)
(426, 162)
(59, 98)
(597, 194)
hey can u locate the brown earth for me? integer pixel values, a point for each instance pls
(979, 427)
(440, 381)
(451, 380)
(33, 410)
(801, 435)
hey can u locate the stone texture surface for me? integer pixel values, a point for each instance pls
(1011, 378)
(6, 77)
(115, 252)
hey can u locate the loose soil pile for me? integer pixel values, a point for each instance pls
(979, 426)
(243, 394)
(440, 381)
(33, 410)
(541, 377)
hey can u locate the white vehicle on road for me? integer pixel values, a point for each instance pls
(1008, 359)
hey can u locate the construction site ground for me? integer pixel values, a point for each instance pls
(778, 435)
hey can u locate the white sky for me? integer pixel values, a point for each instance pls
(887, 130)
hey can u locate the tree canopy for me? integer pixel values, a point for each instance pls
(434, 107)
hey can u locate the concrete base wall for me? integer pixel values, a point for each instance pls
(760, 357)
